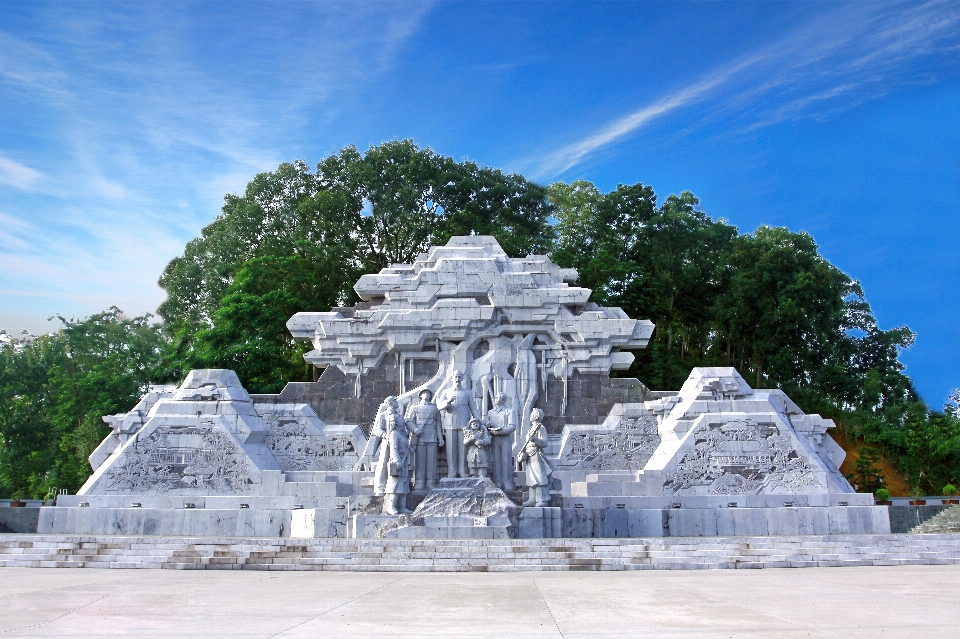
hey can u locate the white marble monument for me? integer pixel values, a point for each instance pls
(495, 372)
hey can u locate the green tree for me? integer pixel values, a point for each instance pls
(54, 390)
(356, 214)
(28, 439)
(787, 310)
(249, 332)
(868, 477)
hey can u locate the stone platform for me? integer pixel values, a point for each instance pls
(476, 555)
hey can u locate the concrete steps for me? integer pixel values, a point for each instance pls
(946, 521)
(444, 555)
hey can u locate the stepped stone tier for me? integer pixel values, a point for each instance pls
(468, 396)
(475, 555)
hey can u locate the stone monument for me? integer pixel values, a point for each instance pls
(518, 362)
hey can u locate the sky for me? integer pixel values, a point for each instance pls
(123, 125)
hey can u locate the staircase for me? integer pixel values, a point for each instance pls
(946, 521)
(465, 555)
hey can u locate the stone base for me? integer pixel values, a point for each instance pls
(470, 555)
(151, 521)
(541, 523)
(407, 527)
(713, 522)
(18, 520)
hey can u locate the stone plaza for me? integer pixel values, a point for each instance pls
(856, 603)
(468, 396)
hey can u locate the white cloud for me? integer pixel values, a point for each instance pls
(146, 127)
(841, 59)
(18, 175)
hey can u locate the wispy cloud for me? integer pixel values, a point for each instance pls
(571, 155)
(18, 175)
(143, 116)
(841, 59)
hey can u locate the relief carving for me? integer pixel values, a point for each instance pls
(156, 462)
(629, 447)
(295, 450)
(742, 458)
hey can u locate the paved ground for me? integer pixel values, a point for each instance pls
(901, 601)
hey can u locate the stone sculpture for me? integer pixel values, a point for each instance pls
(476, 439)
(501, 428)
(511, 342)
(394, 457)
(458, 409)
(526, 375)
(538, 469)
(426, 438)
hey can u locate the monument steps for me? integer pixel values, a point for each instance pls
(438, 555)
(947, 521)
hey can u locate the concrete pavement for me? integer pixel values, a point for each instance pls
(894, 601)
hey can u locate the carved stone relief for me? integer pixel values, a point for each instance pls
(294, 449)
(161, 462)
(741, 457)
(629, 447)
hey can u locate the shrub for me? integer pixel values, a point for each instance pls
(949, 490)
(882, 494)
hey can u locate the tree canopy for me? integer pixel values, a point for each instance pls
(356, 214)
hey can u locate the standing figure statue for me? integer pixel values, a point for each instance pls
(458, 408)
(426, 437)
(371, 456)
(477, 440)
(395, 456)
(537, 467)
(501, 429)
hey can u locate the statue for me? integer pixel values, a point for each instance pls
(538, 469)
(458, 407)
(501, 428)
(394, 456)
(477, 439)
(425, 439)
(373, 449)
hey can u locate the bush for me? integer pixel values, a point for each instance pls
(882, 494)
(949, 490)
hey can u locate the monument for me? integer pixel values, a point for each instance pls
(468, 395)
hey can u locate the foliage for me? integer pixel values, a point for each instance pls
(249, 333)
(356, 214)
(54, 389)
(766, 303)
(882, 494)
(949, 490)
(867, 474)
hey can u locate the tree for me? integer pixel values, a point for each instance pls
(868, 476)
(787, 310)
(356, 214)
(54, 389)
(249, 334)
(28, 442)
(661, 263)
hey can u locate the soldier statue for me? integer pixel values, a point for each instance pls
(372, 456)
(458, 409)
(425, 438)
(537, 467)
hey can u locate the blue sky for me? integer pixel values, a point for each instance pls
(123, 125)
